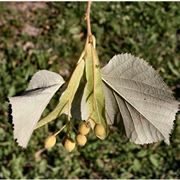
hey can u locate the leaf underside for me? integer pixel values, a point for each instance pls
(27, 108)
(135, 90)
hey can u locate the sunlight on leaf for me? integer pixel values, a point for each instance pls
(146, 104)
(28, 107)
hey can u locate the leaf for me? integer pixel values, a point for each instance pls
(28, 107)
(134, 89)
(154, 160)
(64, 105)
(93, 101)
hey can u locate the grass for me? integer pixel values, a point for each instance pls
(150, 30)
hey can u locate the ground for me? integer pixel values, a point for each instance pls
(51, 36)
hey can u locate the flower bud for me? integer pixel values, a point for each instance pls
(69, 144)
(84, 128)
(81, 139)
(100, 131)
(50, 142)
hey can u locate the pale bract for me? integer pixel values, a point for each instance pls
(66, 99)
(145, 103)
(93, 100)
(28, 107)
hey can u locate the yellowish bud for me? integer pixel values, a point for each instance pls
(50, 142)
(69, 144)
(100, 131)
(84, 128)
(81, 139)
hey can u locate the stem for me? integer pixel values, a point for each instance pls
(60, 130)
(87, 17)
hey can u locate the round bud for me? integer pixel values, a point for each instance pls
(84, 128)
(81, 139)
(69, 144)
(50, 142)
(100, 131)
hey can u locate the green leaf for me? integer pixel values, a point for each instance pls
(93, 101)
(154, 160)
(173, 69)
(64, 105)
(136, 165)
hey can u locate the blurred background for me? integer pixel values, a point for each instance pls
(51, 36)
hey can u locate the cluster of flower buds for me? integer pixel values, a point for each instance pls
(83, 131)
(81, 137)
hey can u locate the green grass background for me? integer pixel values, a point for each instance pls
(150, 30)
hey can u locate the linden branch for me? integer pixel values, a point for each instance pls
(87, 18)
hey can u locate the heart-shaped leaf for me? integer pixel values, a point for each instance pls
(28, 107)
(134, 89)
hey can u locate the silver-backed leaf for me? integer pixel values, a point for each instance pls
(145, 102)
(28, 107)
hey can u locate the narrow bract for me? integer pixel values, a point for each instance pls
(65, 101)
(93, 101)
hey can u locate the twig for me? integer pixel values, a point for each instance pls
(87, 18)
